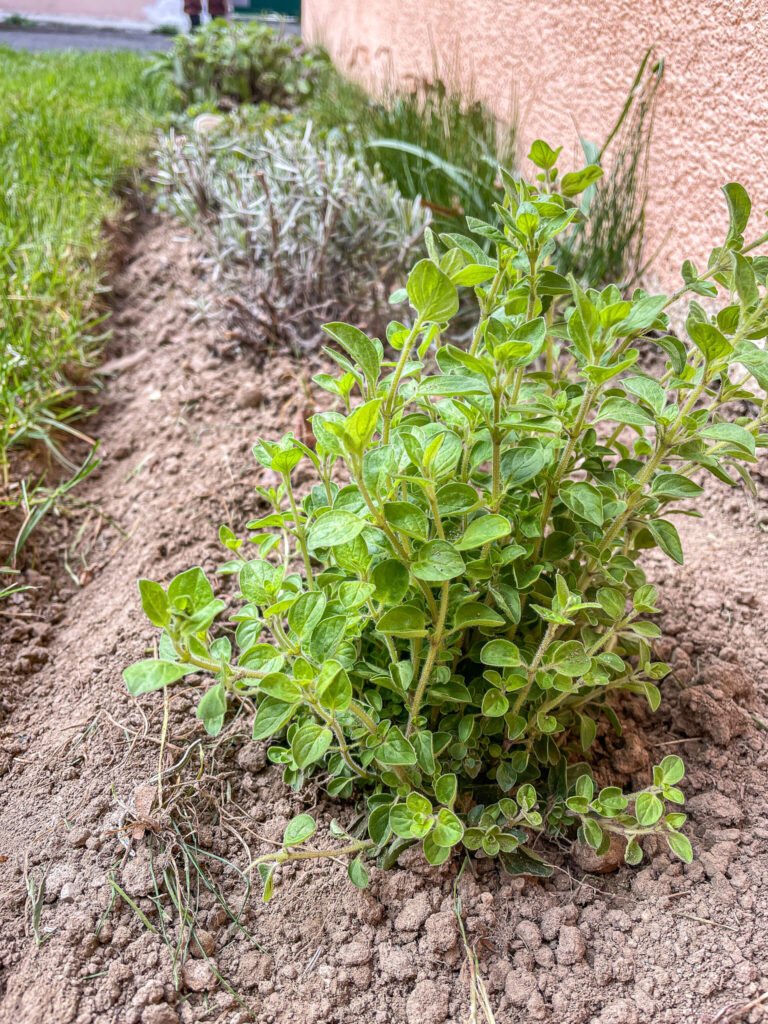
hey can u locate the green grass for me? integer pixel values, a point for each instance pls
(437, 141)
(71, 127)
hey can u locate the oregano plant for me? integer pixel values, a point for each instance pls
(436, 628)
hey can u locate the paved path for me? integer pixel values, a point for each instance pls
(50, 36)
(64, 37)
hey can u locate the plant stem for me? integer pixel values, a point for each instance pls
(434, 649)
(301, 535)
(283, 855)
(388, 409)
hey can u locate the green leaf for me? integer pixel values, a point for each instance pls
(396, 749)
(672, 769)
(261, 658)
(361, 425)
(542, 154)
(326, 637)
(260, 581)
(649, 391)
(482, 531)
(358, 873)
(154, 674)
(501, 654)
(446, 788)
(587, 731)
(401, 821)
(633, 855)
(391, 580)
(681, 846)
(708, 340)
(739, 209)
(281, 686)
(648, 809)
(575, 182)
(475, 614)
(286, 459)
(623, 411)
(354, 593)
(405, 621)
(525, 862)
(521, 464)
(267, 872)
(448, 829)
(212, 709)
(666, 536)
(379, 828)
(673, 485)
(592, 832)
(306, 611)
(190, 590)
(456, 499)
(407, 518)
(335, 527)
(437, 561)
(495, 704)
(733, 434)
(298, 830)
(746, 282)
(584, 500)
(431, 292)
(434, 854)
(333, 689)
(612, 602)
(310, 743)
(570, 659)
(154, 601)
(271, 716)
(359, 347)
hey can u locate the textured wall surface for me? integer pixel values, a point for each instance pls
(130, 10)
(571, 64)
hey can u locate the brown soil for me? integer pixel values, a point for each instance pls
(662, 943)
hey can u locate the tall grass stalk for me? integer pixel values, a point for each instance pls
(432, 137)
(609, 245)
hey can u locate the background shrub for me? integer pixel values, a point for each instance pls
(292, 218)
(241, 62)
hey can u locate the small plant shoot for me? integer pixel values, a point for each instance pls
(437, 627)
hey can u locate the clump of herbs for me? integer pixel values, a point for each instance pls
(438, 626)
(290, 220)
(242, 62)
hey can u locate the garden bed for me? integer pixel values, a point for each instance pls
(665, 943)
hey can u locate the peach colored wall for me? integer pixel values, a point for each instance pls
(129, 10)
(572, 62)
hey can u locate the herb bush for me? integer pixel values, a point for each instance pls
(290, 217)
(440, 623)
(242, 62)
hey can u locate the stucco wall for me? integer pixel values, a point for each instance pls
(144, 12)
(571, 63)
(130, 10)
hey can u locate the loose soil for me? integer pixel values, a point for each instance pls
(79, 800)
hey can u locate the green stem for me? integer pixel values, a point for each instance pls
(389, 533)
(301, 535)
(280, 856)
(387, 411)
(429, 662)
